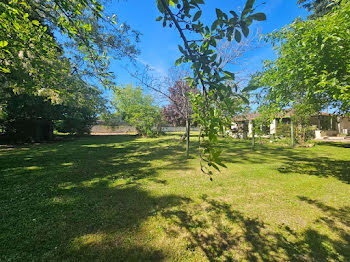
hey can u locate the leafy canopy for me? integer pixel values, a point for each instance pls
(312, 67)
(31, 58)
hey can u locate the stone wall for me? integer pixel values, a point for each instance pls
(104, 129)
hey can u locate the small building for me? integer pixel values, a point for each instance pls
(325, 124)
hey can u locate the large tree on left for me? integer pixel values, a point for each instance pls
(51, 49)
(32, 59)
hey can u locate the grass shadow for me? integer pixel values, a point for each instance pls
(222, 233)
(82, 200)
(298, 161)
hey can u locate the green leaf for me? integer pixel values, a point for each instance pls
(197, 16)
(178, 61)
(35, 22)
(219, 13)
(245, 30)
(172, 3)
(213, 42)
(5, 70)
(250, 88)
(87, 27)
(3, 43)
(259, 17)
(248, 7)
(234, 14)
(238, 36)
(159, 18)
(214, 25)
(230, 74)
(160, 6)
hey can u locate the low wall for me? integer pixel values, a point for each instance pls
(177, 129)
(104, 129)
(320, 134)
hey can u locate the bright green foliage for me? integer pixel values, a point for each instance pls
(32, 59)
(312, 68)
(214, 106)
(137, 109)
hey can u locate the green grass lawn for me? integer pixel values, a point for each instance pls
(124, 198)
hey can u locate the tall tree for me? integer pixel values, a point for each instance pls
(312, 68)
(48, 47)
(179, 112)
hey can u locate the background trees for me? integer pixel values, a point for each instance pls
(27, 117)
(137, 109)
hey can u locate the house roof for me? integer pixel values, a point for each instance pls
(245, 117)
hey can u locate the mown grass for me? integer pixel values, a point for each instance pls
(124, 198)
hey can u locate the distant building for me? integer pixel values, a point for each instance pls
(326, 125)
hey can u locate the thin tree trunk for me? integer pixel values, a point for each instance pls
(253, 135)
(292, 132)
(188, 130)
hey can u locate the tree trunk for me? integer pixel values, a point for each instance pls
(292, 132)
(253, 135)
(188, 130)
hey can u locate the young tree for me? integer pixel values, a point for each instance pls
(137, 109)
(179, 108)
(179, 111)
(211, 106)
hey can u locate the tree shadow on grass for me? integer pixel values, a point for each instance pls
(318, 166)
(82, 200)
(336, 220)
(292, 161)
(222, 233)
(237, 151)
(335, 144)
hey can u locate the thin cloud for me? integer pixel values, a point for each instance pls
(159, 70)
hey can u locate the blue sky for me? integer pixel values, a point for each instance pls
(158, 45)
